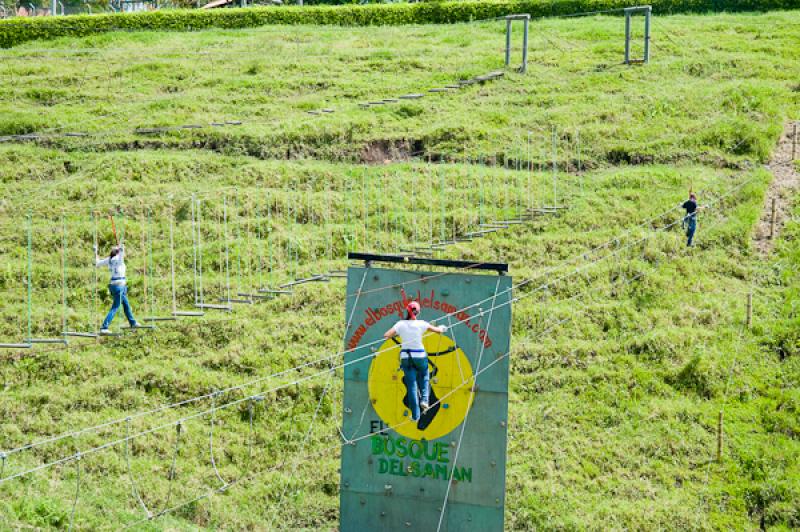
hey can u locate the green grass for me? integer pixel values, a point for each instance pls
(613, 412)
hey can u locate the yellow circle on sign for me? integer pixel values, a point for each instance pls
(450, 394)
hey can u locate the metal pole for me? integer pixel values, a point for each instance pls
(647, 34)
(555, 178)
(530, 174)
(794, 141)
(580, 177)
(64, 273)
(172, 255)
(30, 267)
(627, 37)
(772, 220)
(194, 254)
(525, 44)
(508, 41)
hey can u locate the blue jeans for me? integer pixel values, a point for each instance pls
(691, 227)
(120, 295)
(417, 381)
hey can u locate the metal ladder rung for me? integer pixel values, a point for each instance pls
(213, 307)
(160, 318)
(271, 291)
(237, 301)
(145, 327)
(46, 341)
(188, 313)
(77, 334)
(316, 278)
(15, 346)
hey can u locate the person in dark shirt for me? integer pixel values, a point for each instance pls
(690, 220)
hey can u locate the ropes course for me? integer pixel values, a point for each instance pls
(239, 285)
(220, 257)
(215, 394)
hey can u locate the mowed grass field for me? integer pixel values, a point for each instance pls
(620, 367)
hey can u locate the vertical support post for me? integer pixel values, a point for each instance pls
(508, 41)
(144, 270)
(627, 37)
(580, 176)
(555, 178)
(719, 437)
(194, 254)
(200, 294)
(647, 13)
(93, 326)
(53, 7)
(63, 273)
(772, 219)
(749, 309)
(525, 23)
(30, 268)
(172, 256)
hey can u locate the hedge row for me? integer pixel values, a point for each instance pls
(19, 30)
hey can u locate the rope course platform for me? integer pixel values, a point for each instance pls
(77, 334)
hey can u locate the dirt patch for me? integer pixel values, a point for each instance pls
(381, 151)
(785, 183)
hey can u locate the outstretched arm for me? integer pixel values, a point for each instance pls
(440, 329)
(390, 333)
(98, 261)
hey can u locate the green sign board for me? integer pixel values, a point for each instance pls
(448, 466)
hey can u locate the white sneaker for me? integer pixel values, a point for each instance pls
(424, 406)
(105, 331)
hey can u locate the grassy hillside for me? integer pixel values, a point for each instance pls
(619, 371)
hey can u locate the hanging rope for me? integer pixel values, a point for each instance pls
(347, 328)
(63, 274)
(173, 467)
(93, 325)
(200, 250)
(30, 275)
(194, 256)
(172, 258)
(77, 490)
(144, 269)
(473, 391)
(211, 438)
(132, 480)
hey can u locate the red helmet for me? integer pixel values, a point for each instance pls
(413, 308)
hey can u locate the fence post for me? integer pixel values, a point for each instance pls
(627, 37)
(508, 41)
(772, 220)
(647, 14)
(525, 23)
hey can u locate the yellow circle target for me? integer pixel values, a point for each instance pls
(450, 389)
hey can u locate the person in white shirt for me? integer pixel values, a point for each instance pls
(413, 357)
(118, 286)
